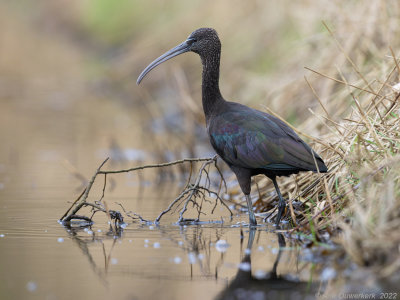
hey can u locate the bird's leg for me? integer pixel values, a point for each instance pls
(282, 244)
(252, 218)
(282, 203)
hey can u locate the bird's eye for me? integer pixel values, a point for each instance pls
(190, 41)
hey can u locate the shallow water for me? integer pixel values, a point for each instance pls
(41, 259)
(47, 261)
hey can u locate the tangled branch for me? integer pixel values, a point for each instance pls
(193, 193)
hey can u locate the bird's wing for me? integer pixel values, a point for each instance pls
(252, 139)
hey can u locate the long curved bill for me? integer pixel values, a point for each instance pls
(181, 48)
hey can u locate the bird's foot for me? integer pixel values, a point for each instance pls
(281, 210)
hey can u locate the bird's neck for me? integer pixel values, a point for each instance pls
(210, 84)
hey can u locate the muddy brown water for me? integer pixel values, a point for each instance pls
(41, 259)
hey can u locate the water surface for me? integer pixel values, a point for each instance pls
(52, 142)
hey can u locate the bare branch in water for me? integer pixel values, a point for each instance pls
(76, 200)
(135, 215)
(77, 217)
(196, 190)
(193, 193)
(83, 196)
(159, 165)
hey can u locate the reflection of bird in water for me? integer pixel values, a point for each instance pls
(251, 142)
(245, 286)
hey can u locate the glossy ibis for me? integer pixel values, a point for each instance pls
(251, 142)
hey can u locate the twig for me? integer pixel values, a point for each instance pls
(159, 165)
(222, 176)
(73, 203)
(86, 192)
(181, 195)
(195, 188)
(129, 213)
(104, 188)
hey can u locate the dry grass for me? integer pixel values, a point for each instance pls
(358, 201)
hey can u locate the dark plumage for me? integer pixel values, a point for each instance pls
(251, 142)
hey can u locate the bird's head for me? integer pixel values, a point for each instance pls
(203, 41)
